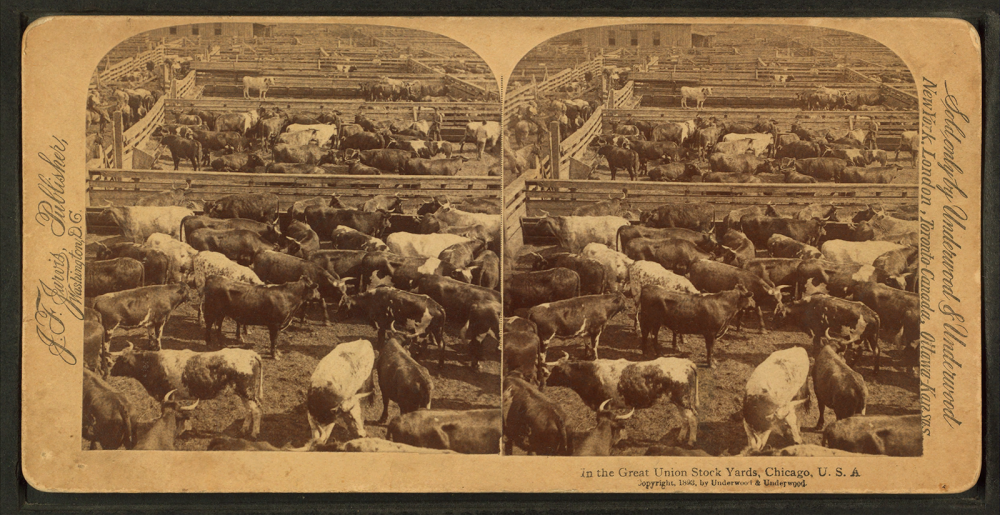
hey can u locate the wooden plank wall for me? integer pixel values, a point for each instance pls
(125, 187)
(561, 197)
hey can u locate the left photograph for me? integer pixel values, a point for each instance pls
(293, 241)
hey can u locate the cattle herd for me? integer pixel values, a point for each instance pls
(396, 322)
(273, 140)
(424, 276)
(847, 286)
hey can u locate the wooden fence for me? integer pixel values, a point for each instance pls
(891, 123)
(138, 134)
(131, 64)
(561, 197)
(573, 147)
(514, 209)
(125, 187)
(623, 98)
(513, 100)
(456, 114)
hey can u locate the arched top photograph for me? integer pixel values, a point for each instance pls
(398, 84)
(586, 83)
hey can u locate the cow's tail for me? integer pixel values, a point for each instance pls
(695, 404)
(142, 272)
(259, 387)
(198, 154)
(129, 438)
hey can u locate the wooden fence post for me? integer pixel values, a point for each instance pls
(554, 152)
(119, 139)
(173, 86)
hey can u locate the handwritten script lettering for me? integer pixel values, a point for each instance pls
(59, 295)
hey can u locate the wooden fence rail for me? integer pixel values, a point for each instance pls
(125, 187)
(515, 208)
(891, 123)
(131, 64)
(561, 197)
(138, 134)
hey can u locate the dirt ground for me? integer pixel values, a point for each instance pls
(721, 390)
(286, 381)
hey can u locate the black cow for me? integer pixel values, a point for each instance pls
(620, 158)
(324, 220)
(155, 264)
(398, 310)
(760, 228)
(697, 217)
(626, 233)
(898, 310)
(261, 207)
(387, 160)
(715, 277)
(837, 386)
(673, 254)
(457, 297)
(301, 241)
(240, 246)
(112, 275)
(591, 271)
(267, 231)
(107, 415)
(486, 270)
(683, 313)
(239, 162)
(183, 148)
(402, 380)
(277, 268)
(521, 348)
(822, 168)
(532, 421)
(818, 313)
(363, 141)
(526, 290)
(248, 304)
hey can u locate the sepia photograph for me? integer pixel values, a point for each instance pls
(408, 254)
(753, 187)
(287, 227)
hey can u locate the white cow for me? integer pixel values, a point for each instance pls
(322, 133)
(181, 254)
(576, 232)
(697, 94)
(338, 384)
(775, 389)
(258, 83)
(759, 143)
(422, 245)
(616, 264)
(140, 222)
(860, 252)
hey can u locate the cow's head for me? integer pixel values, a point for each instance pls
(332, 287)
(126, 362)
(617, 422)
(559, 373)
(269, 81)
(181, 413)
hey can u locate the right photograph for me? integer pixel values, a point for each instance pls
(753, 188)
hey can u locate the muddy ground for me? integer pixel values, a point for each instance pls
(720, 423)
(286, 381)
